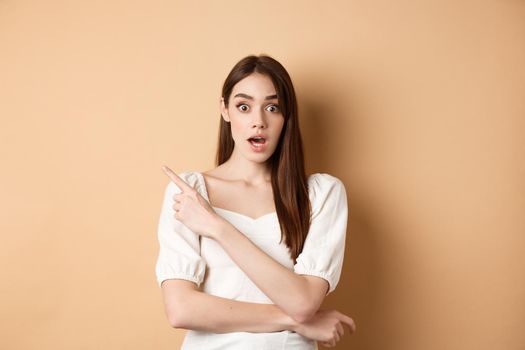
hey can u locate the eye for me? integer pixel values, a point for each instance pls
(240, 105)
(275, 108)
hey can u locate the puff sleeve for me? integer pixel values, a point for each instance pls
(179, 247)
(323, 250)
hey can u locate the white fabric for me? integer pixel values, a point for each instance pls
(186, 255)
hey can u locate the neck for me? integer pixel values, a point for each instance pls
(249, 171)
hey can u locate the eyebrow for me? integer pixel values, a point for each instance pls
(271, 97)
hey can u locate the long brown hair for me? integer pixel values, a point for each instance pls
(289, 181)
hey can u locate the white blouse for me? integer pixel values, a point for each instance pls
(186, 255)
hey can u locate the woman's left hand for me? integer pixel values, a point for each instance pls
(192, 209)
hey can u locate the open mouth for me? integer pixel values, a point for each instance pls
(257, 141)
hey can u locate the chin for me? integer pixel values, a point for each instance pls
(258, 158)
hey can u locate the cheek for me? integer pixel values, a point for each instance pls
(281, 125)
(238, 128)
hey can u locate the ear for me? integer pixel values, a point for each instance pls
(224, 111)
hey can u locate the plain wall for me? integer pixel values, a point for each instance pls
(417, 106)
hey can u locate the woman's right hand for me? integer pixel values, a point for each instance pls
(326, 327)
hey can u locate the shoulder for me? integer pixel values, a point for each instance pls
(323, 181)
(322, 185)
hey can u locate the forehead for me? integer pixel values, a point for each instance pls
(256, 84)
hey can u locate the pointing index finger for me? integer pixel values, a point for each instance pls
(176, 179)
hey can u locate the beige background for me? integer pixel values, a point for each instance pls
(418, 106)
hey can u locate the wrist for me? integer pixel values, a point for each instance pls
(285, 321)
(220, 227)
(292, 324)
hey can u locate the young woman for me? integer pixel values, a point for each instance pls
(249, 249)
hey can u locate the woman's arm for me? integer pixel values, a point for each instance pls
(187, 307)
(297, 295)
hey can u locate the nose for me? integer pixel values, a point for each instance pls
(259, 119)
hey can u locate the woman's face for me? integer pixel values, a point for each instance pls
(253, 110)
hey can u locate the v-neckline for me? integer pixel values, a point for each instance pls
(203, 183)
